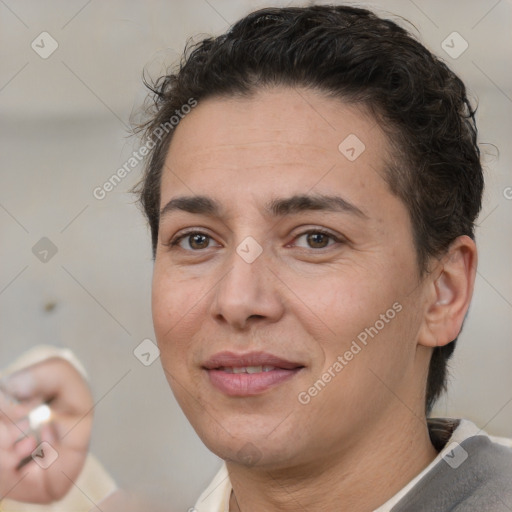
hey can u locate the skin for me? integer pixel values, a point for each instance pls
(364, 436)
(58, 383)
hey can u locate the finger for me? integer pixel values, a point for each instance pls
(48, 472)
(11, 453)
(9, 406)
(24, 447)
(54, 380)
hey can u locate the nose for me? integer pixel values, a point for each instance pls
(247, 294)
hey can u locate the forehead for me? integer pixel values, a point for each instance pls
(283, 138)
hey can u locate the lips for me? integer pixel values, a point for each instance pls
(232, 360)
(248, 374)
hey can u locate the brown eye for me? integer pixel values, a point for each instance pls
(317, 240)
(192, 241)
(198, 241)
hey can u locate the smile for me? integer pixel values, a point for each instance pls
(249, 374)
(247, 369)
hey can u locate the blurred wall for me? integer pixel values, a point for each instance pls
(63, 127)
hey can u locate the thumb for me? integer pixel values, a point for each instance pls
(20, 385)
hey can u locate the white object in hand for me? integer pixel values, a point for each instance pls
(38, 416)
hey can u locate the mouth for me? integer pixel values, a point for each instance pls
(246, 369)
(249, 374)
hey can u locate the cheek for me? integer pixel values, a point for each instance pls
(363, 311)
(161, 303)
(344, 299)
(174, 304)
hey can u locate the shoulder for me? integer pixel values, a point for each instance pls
(473, 472)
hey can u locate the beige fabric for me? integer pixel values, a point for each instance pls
(39, 354)
(215, 498)
(94, 483)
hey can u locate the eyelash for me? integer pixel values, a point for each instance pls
(175, 241)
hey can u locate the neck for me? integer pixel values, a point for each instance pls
(358, 479)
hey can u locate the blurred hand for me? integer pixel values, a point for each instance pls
(57, 383)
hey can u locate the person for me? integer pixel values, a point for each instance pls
(312, 182)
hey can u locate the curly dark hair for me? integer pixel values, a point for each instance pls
(353, 55)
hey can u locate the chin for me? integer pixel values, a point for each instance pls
(249, 441)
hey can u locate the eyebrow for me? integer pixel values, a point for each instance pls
(279, 207)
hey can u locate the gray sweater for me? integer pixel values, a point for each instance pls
(474, 473)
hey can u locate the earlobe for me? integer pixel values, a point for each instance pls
(451, 288)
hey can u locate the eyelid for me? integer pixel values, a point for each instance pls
(334, 237)
(175, 240)
(203, 231)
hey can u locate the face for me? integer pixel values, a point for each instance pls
(286, 295)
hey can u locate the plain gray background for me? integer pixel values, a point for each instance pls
(63, 132)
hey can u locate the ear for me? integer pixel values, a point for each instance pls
(449, 293)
